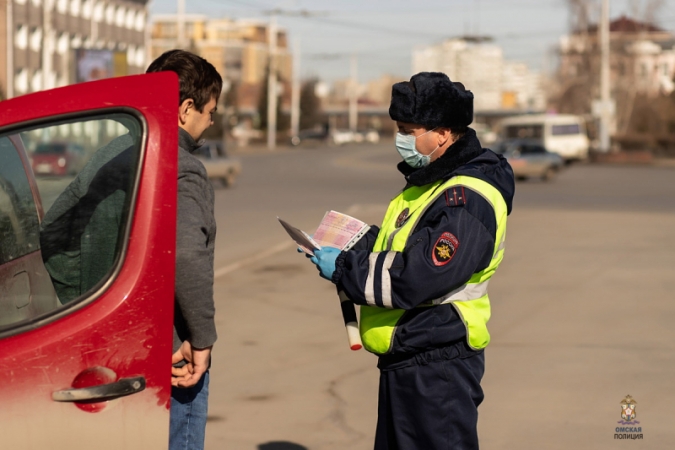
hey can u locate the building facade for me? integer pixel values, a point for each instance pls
(51, 43)
(479, 64)
(642, 68)
(239, 50)
(642, 58)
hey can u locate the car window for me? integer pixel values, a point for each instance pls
(219, 150)
(204, 151)
(19, 239)
(499, 147)
(567, 129)
(525, 131)
(47, 148)
(531, 149)
(19, 223)
(86, 198)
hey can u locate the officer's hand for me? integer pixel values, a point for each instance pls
(325, 261)
(307, 255)
(300, 250)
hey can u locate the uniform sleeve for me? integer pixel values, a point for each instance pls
(367, 242)
(194, 262)
(441, 255)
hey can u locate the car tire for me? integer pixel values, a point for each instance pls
(229, 180)
(549, 174)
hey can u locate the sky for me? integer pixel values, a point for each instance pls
(382, 34)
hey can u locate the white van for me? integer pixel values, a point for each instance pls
(562, 134)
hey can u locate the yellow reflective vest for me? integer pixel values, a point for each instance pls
(378, 324)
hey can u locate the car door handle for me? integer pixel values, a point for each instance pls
(102, 392)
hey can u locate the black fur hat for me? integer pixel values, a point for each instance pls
(432, 100)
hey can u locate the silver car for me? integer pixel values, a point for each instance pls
(529, 159)
(219, 166)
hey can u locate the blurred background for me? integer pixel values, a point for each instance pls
(577, 94)
(331, 64)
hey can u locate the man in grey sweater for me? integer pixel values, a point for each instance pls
(79, 238)
(194, 326)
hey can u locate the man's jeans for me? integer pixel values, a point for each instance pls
(188, 416)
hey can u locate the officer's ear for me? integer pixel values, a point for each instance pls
(444, 135)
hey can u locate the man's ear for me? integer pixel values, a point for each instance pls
(184, 109)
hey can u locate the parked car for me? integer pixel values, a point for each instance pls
(563, 134)
(92, 371)
(370, 136)
(57, 158)
(219, 166)
(316, 134)
(335, 136)
(341, 137)
(529, 159)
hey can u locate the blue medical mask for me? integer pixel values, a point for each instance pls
(407, 148)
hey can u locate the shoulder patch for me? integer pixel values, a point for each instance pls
(455, 196)
(402, 218)
(444, 249)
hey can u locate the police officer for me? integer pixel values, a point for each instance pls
(421, 278)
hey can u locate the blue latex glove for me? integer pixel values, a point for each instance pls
(325, 261)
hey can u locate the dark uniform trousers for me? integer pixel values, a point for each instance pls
(429, 400)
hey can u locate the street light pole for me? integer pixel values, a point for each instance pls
(295, 91)
(272, 86)
(180, 24)
(272, 77)
(47, 43)
(353, 96)
(606, 112)
(9, 88)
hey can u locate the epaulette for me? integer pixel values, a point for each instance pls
(455, 196)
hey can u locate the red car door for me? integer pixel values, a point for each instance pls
(93, 371)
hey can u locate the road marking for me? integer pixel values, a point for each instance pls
(259, 256)
(359, 162)
(253, 259)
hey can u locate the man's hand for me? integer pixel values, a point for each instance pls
(197, 364)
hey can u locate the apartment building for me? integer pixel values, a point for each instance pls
(479, 64)
(522, 88)
(239, 49)
(642, 58)
(50, 43)
(474, 61)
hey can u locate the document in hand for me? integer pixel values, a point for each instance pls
(304, 240)
(335, 230)
(340, 231)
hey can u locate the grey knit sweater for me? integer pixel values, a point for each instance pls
(195, 239)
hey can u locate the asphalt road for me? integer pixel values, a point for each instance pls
(582, 309)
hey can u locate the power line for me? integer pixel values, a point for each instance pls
(371, 28)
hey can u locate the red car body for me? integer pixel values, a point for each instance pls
(120, 334)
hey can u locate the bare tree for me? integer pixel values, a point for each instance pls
(579, 71)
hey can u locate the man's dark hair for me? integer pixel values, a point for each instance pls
(199, 80)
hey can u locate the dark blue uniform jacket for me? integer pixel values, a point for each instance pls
(415, 278)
